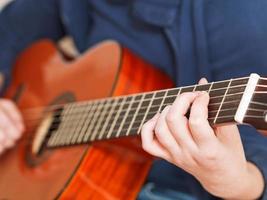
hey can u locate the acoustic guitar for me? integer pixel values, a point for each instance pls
(83, 118)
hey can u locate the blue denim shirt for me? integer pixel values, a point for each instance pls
(187, 39)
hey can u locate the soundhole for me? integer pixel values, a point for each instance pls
(36, 151)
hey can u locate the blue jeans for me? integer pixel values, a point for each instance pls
(153, 192)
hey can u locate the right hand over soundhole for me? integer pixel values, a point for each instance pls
(11, 124)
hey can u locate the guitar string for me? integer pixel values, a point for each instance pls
(28, 140)
(58, 106)
(133, 109)
(211, 118)
(87, 103)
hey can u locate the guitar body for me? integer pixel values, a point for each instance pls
(114, 169)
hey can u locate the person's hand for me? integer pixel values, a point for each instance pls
(213, 156)
(11, 124)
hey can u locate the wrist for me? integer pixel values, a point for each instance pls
(252, 184)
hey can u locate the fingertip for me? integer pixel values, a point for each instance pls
(202, 81)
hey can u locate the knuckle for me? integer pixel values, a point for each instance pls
(195, 121)
(171, 117)
(145, 127)
(209, 154)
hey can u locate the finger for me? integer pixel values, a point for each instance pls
(8, 128)
(149, 143)
(202, 81)
(13, 113)
(178, 123)
(8, 143)
(201, 131)
(164, 136)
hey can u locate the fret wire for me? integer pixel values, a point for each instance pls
(214, 97)
(146, 114)
(222, 101)
(161, 104)
(54, 107)
(116, 117)
(63, 124)
(99, 120)
(209, 113)
(209, 104)
(210, 87)
(209, 119)
(170, 95)
(82, 111)
(56, 134)
(172, 89)
(86, 115)
(87, 122)
(135, 114)
(92, 122)
(108, 119)
(233, 101)
(93, 126)
(69, 132)
(194, 88)
(125, 116)
(209, 90)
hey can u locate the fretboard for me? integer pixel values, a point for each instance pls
(85, 122)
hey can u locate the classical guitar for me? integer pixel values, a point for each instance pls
(82, 118)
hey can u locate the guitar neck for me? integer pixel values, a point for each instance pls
(84, 122)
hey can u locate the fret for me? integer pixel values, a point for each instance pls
(72, 123)
(54, 138)
(76, 124)
(205, 87)
(142, 109)
(229, 83)
(93, 121)
(116, 117)
(187, 89)
(162, 102)
(194, 88)
(154, 107)
(83, 133)
(88, 107)
(108, 119)
(231, 102)
(121, 116)
(63, 124)
(142, 122)
(125, 116)
(135, 113)
(100, 120)
(211, 85)
(125, 129)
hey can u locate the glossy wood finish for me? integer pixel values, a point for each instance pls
(106, 170)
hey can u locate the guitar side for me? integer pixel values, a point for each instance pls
(106, 170)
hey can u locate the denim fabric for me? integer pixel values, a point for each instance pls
(187, 39)
(152, 192)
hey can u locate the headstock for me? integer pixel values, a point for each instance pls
(256, 114)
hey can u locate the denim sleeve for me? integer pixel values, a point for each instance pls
(256, 151)
(21, 23)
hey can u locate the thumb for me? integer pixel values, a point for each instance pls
(228, 134)
(202, 81)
